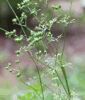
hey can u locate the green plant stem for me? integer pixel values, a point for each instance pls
(16, 17)
(41, 84)
(3, 29)
(66, 80)
(28, 52)
(30, 87)
(55, 72)
(63, 69)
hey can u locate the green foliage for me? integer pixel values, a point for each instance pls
(37, 49)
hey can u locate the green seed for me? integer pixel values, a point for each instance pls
(17, 61)
(18, 52)
(10, 70)
(18, 74)
(7, 68)
(9, 64)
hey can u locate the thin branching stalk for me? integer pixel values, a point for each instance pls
(30, 87)
(62, 68)
(16, 17)
(52, 68)
(35, 60)
(41, 84)
(3, 30)
(28, 52)
(66, 80)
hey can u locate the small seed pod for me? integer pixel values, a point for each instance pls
(7, 67)
(9, 64)
(18, 52)
(18, 74)
(10, 70)
(19, 39)
(17, 61)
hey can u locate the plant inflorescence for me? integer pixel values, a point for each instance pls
(35, 23)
